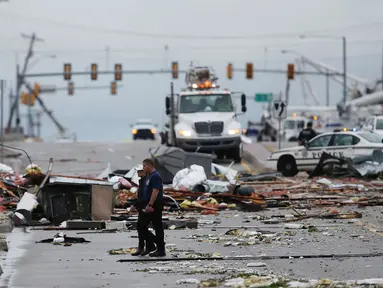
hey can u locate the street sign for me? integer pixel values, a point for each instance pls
(279, 110)
(263, 97)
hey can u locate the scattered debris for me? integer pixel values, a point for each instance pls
(62, 239)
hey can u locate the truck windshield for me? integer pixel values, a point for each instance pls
(144, 122)
(206, 103)
(293, 124)
(379, 124)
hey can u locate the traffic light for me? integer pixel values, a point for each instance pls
(67, 71)
(175, 70)
(36, 89)
(249, 71)
(93, 74)
(27, 99)
(290, 71)
(118, 72)
(70, 88)
(114, 88)
(229, 71)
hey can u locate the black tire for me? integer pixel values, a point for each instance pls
(274, 139)
(260, 136)
(287, 166)
(293, 139)
(220, 155)
(162, 135)
(236, 154)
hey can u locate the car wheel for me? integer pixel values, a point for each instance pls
(287, 166)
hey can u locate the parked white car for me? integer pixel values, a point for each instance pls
(292, 160)
(144, 129)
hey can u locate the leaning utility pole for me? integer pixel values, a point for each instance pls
(20, 81)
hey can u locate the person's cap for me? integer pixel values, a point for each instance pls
(139, 168)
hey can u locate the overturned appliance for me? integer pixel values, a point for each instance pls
(65, 198)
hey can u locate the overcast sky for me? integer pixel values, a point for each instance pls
(212, 32)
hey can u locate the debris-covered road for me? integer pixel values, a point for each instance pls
(90, 265)
(254, 231)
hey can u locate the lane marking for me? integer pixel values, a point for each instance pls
(247, 167)
(369, 228)
(269, 147)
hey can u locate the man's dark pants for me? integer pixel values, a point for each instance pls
(156, 219)
(144, 236)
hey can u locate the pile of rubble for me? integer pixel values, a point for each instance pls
(39, 198)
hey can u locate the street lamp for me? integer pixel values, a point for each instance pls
(344, 42)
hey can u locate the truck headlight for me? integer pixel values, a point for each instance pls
(233, 132)
(185, 133)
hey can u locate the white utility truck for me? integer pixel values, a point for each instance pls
(204, 117)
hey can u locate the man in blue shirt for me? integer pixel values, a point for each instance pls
(140, 204)
(153, 195)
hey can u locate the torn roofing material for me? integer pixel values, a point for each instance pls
(72, 180)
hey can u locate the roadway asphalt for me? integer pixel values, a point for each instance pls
(91, 158)
(28, 264)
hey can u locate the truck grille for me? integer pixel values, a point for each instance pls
(209, 127)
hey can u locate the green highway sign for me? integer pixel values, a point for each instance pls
(263, 97)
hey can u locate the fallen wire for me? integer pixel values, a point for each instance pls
(18, 149)
(230, 258)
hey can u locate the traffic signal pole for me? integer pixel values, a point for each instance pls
(49, 113)
(110, 72)
(20, 79)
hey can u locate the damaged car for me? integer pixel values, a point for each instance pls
(290, 161)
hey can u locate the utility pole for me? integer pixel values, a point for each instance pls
(382, 65)
(38, 124)
(107, 51)
(287, 91)
(327, 90)
(20, 81)
(344, 69)
(2, 120)
(172, 115)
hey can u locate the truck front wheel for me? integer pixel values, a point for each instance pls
(237, 153)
